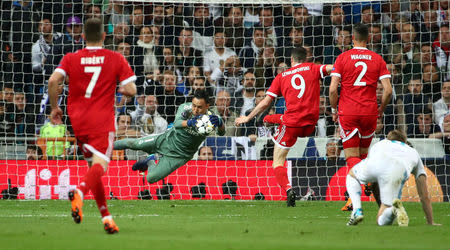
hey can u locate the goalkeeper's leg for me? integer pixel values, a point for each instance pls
(146, 144)
(165, 166)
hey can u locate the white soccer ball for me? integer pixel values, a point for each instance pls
(204, 125)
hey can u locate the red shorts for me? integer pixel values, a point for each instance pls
(285, 137)
(357, 130)
(100, 144)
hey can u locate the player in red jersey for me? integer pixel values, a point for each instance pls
(93, 74)
(357, 71)
(300, 87)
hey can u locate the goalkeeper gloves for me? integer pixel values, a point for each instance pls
(216, 121)
(191, 122)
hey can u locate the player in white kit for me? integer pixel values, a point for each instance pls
(389, 163)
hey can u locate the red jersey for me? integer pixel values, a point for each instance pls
(93, 74)
(359, 70)
(300, 88)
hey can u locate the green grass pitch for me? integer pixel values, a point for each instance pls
(214, 225)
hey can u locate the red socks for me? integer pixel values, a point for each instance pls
(93, 181)
(352, 161)
(282, 178)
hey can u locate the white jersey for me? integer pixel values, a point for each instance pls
(388, 153)
(390, 164)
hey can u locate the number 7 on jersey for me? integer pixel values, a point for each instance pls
(92, 69)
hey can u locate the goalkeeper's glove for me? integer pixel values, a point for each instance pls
(216, 121)
(191, 122)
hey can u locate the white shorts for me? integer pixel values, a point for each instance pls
(390, 178)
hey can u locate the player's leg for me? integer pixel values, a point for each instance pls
(94, 180)
(366, 132)
(364, 149)
(348, 126)
(142, 165)
(165, 166)
(350, 142)
(146, 144)
(354, 191)
(385, 215)
(279, 158)
(284, 139)
(391, 184)
(361, 173)
(97, 149)
(76, 196)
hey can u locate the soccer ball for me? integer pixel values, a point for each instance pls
(204, 125)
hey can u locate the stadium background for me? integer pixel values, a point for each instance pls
(412, 37)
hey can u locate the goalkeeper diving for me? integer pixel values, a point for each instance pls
(177, 145)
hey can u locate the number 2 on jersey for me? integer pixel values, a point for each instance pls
(92, 69)
(300, 87)
(361, 75)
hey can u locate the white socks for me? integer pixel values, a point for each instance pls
(354, 191)
(387, 217)
(106, 217)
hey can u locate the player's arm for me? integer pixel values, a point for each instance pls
(126, 77)
(218, 123)
(422, 190)
(263, 105)
(335, 80)
(128, 89)
(387, 94)
(182, 118)
(56, 79)
(328, 68)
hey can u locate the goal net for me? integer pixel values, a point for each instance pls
(232, 49)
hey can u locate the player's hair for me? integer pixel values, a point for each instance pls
(361, 32)
(299, 54)
(93, 30)
(202, 94)
(397, 135)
